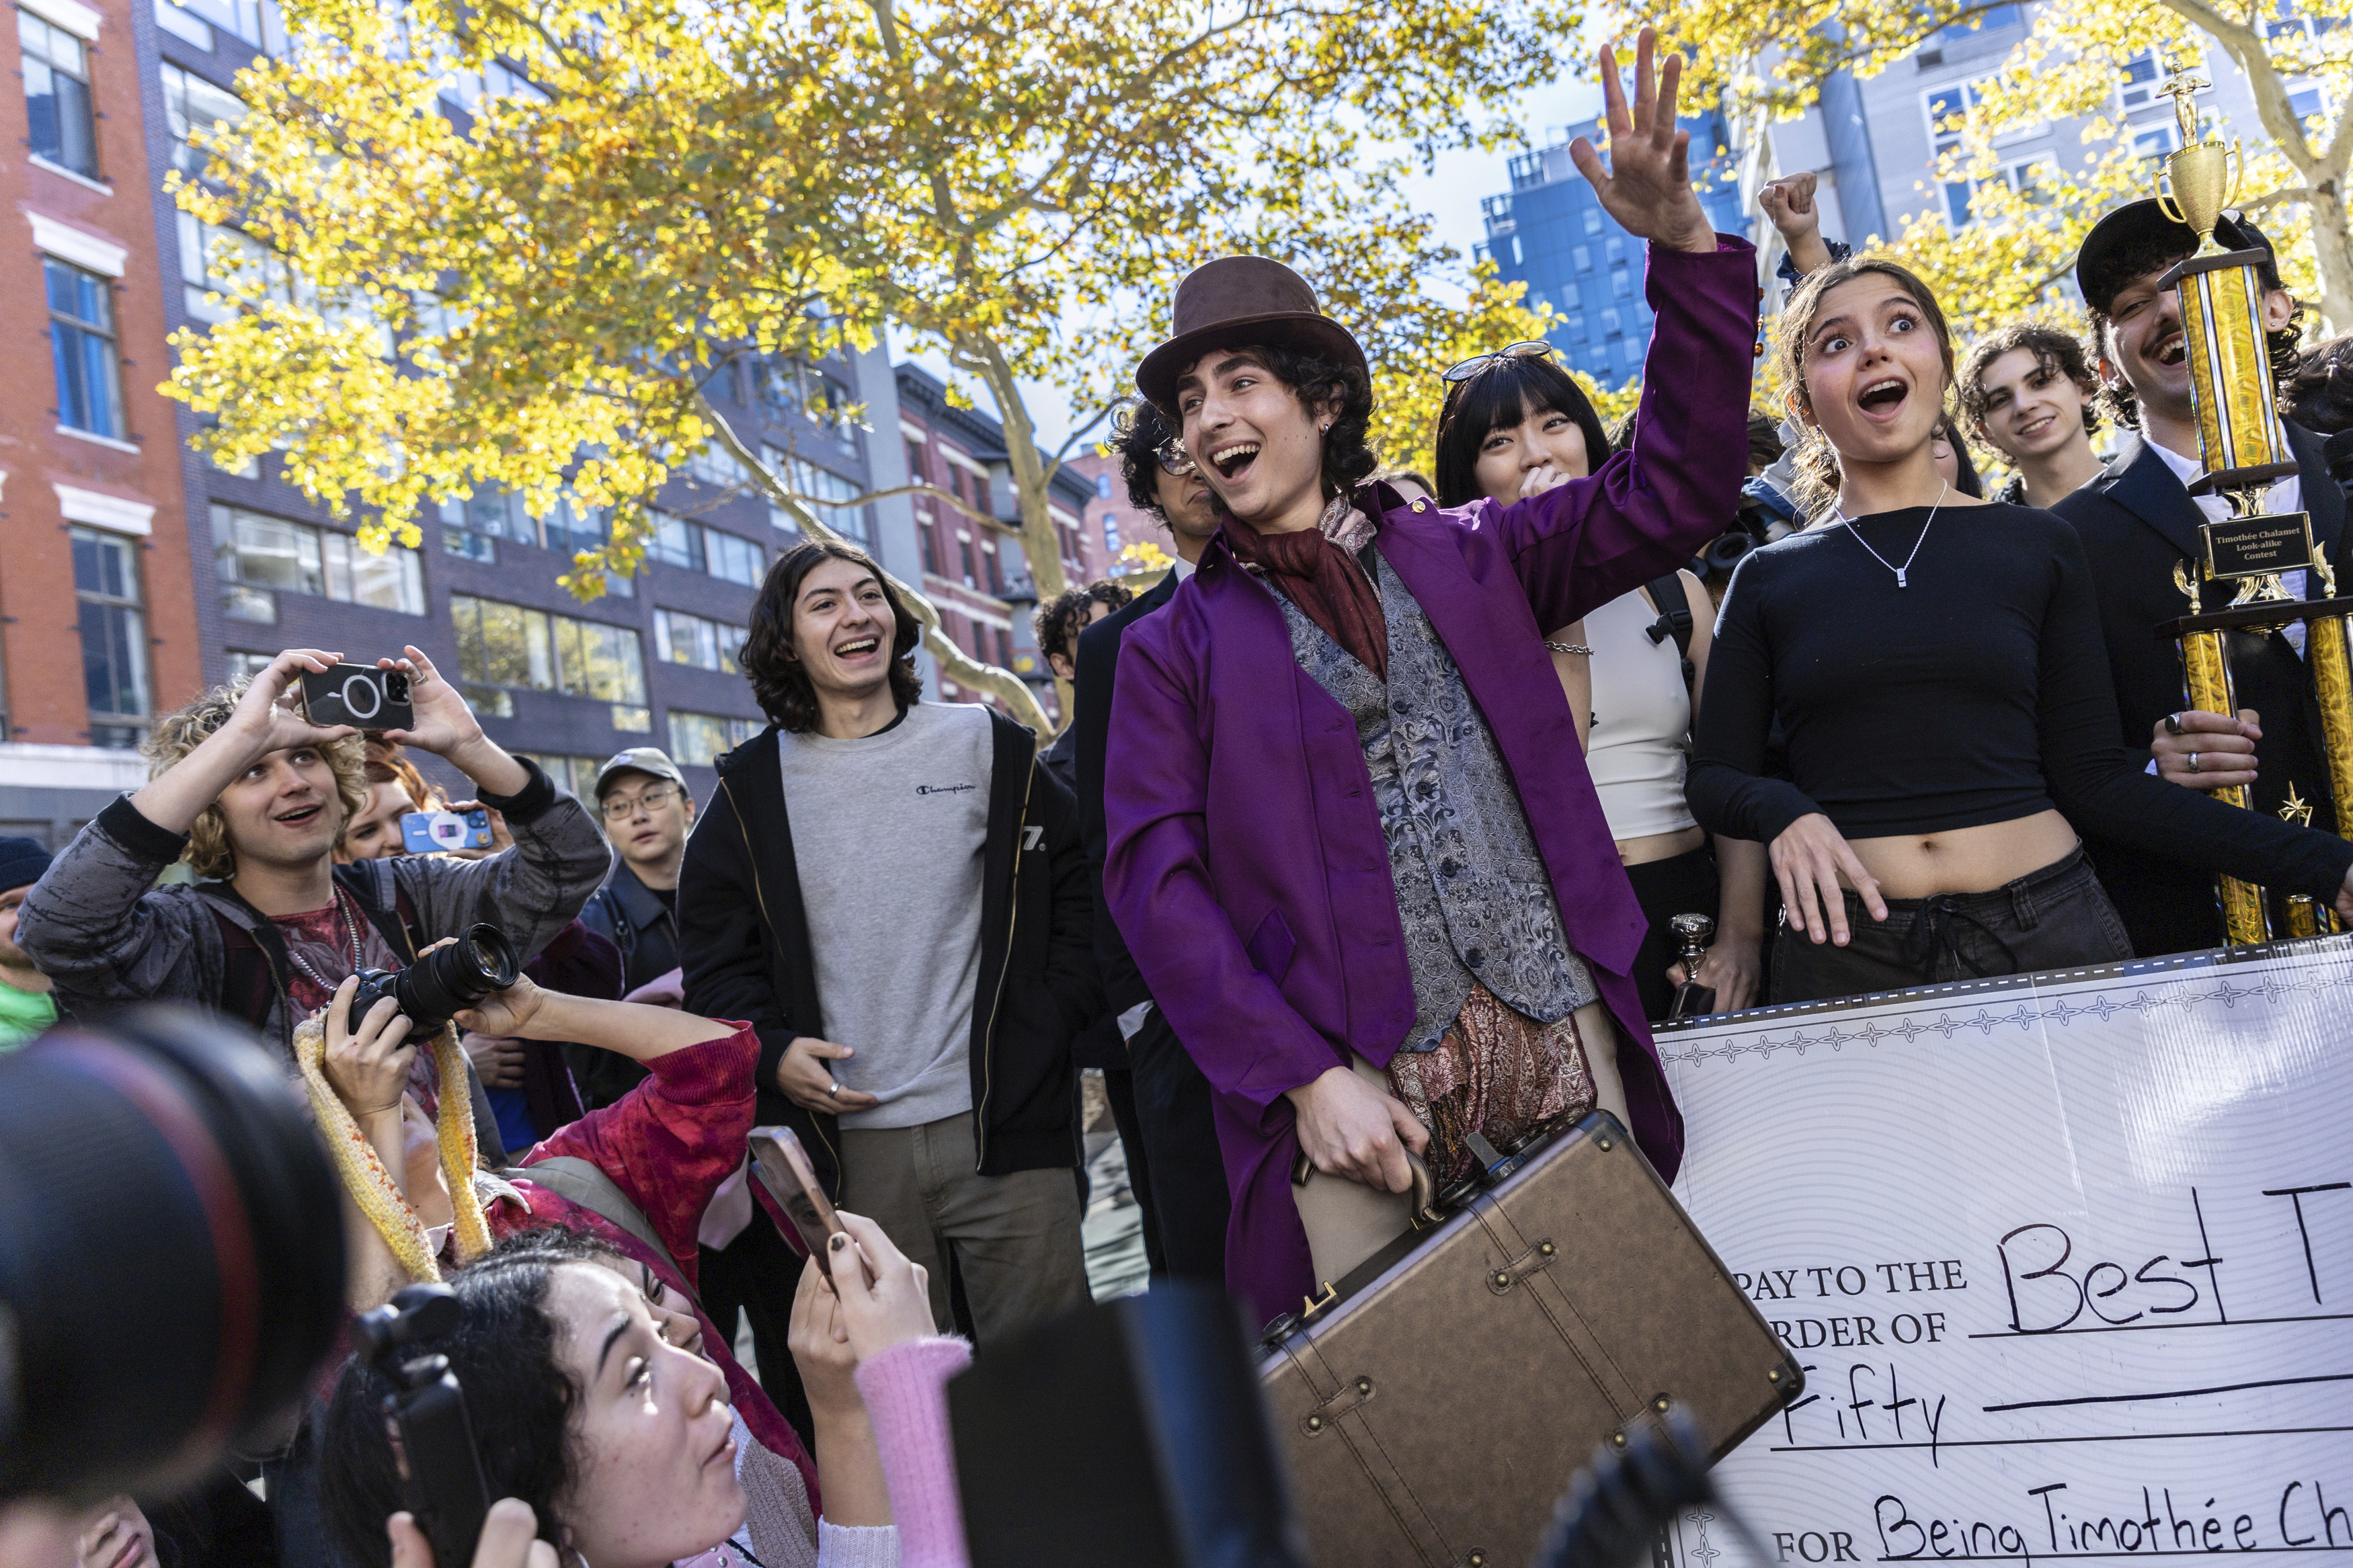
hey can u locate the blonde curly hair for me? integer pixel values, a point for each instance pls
(182, 731)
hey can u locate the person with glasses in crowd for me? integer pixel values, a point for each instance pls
(1936, 664)
(1514, 425)
(1352, 841)
(1180, 1180)
(648, 812)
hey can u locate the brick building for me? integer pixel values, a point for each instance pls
(977, 573)
(98, 624)
(103, 509)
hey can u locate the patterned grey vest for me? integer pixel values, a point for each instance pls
(1476, 900)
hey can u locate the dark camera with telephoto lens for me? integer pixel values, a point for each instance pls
(431, 990)
(171, 1255)
(432, 1437)
(360, 695)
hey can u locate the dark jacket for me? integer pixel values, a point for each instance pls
(98, 925)
(2137, 520)
(625, 912)
(745, 935)
(1098, 671)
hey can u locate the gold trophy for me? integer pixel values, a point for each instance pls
(2243, 445)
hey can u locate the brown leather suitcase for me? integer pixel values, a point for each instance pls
(1435, 1403)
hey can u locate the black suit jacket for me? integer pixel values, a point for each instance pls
(2137, 519)
(1098, 669)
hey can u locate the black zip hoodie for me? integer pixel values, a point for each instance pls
(744, 934)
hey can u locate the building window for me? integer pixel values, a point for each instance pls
(681, 638)
(56, 92)
(784, 385)
(1580, 257)
(192, 104)
(575, 775)
(698, 739)
(500, 646)
(1622, 281)
(216, 262)
(113, 636)
(1110, 530)
(833, 494)
(1613, 249)
(1593, 220)
(195, 19)
(82, 344)
(1609, 328)
(918, 471)
(259, 557)
(694, 548)
(1573, 325)
(245, 665)
(1991, 17)
(1103, 487)
(715, 464)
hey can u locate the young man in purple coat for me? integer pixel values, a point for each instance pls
(1353, 842)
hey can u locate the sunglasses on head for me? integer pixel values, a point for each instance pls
(1174, 461)
(1463, 370)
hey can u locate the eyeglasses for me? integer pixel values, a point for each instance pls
(1174, 461)
(621, 808)
(1463, 370)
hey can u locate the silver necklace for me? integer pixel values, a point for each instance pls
(1924, 527)
(351, 931)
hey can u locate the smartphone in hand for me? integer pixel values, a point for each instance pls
(428, 832)
(793, 1180)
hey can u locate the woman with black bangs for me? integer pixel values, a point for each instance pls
(1515, 425)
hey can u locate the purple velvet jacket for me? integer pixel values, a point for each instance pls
(1247, 867)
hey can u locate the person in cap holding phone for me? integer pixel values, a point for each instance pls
(2138, 521)
(252, 795)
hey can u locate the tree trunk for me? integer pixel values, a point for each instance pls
(2332, 245)
(953, 662)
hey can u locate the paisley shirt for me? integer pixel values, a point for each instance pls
(1476, 902)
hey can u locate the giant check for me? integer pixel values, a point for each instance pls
(2068, 1260)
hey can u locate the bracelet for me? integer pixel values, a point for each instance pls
(1569, 648)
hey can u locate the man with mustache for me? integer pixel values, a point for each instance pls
(2138, 519)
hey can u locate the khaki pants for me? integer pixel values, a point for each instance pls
(1348, 1222)
(1014, 1238)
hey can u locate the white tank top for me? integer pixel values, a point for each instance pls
(1642, 720)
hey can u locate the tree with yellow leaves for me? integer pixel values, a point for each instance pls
(561, 271)
(1774, 55)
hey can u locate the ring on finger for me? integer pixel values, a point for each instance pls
(2193, 763)
(2173, 723)
(833, 1089)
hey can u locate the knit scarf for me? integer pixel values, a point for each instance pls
(1314, 569)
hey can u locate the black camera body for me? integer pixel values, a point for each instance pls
(360, 695)
(432, 990)
(431, 1435)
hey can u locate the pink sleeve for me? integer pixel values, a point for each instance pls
(669, 1142)
(905, 1390)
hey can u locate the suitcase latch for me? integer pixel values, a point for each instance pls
(1351, 1394)
(1544, 1256)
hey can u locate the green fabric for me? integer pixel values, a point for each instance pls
(23, 1015)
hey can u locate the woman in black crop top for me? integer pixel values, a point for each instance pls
(1936, 664)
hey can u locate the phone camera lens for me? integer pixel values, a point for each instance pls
(396, 686)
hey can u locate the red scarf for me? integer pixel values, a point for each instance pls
(1318, 577)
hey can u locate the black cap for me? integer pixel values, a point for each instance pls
(2100, 265)
(22, 862)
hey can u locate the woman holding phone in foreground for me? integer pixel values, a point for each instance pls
(608, 1405)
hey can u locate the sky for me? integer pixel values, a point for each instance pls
(1450, 193)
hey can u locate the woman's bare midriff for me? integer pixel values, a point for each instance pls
(1659, 845)
(1965, 859)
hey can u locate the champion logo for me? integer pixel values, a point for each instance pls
(945, 789)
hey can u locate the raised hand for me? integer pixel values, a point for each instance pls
(1789, 203)
(1646, 185)
(443, 721)
(269, 713)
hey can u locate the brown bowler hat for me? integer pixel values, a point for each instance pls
(1233, 303)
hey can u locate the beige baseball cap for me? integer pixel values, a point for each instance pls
(644, 759)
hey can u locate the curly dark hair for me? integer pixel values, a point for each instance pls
(1348, 460)
(1764, 439)
(2056, 351)
(1499, 397)
(1137, 435)
(506, 1356)
(2153, 254)
(1060, 620)
(779, 683)
(2319, 396)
